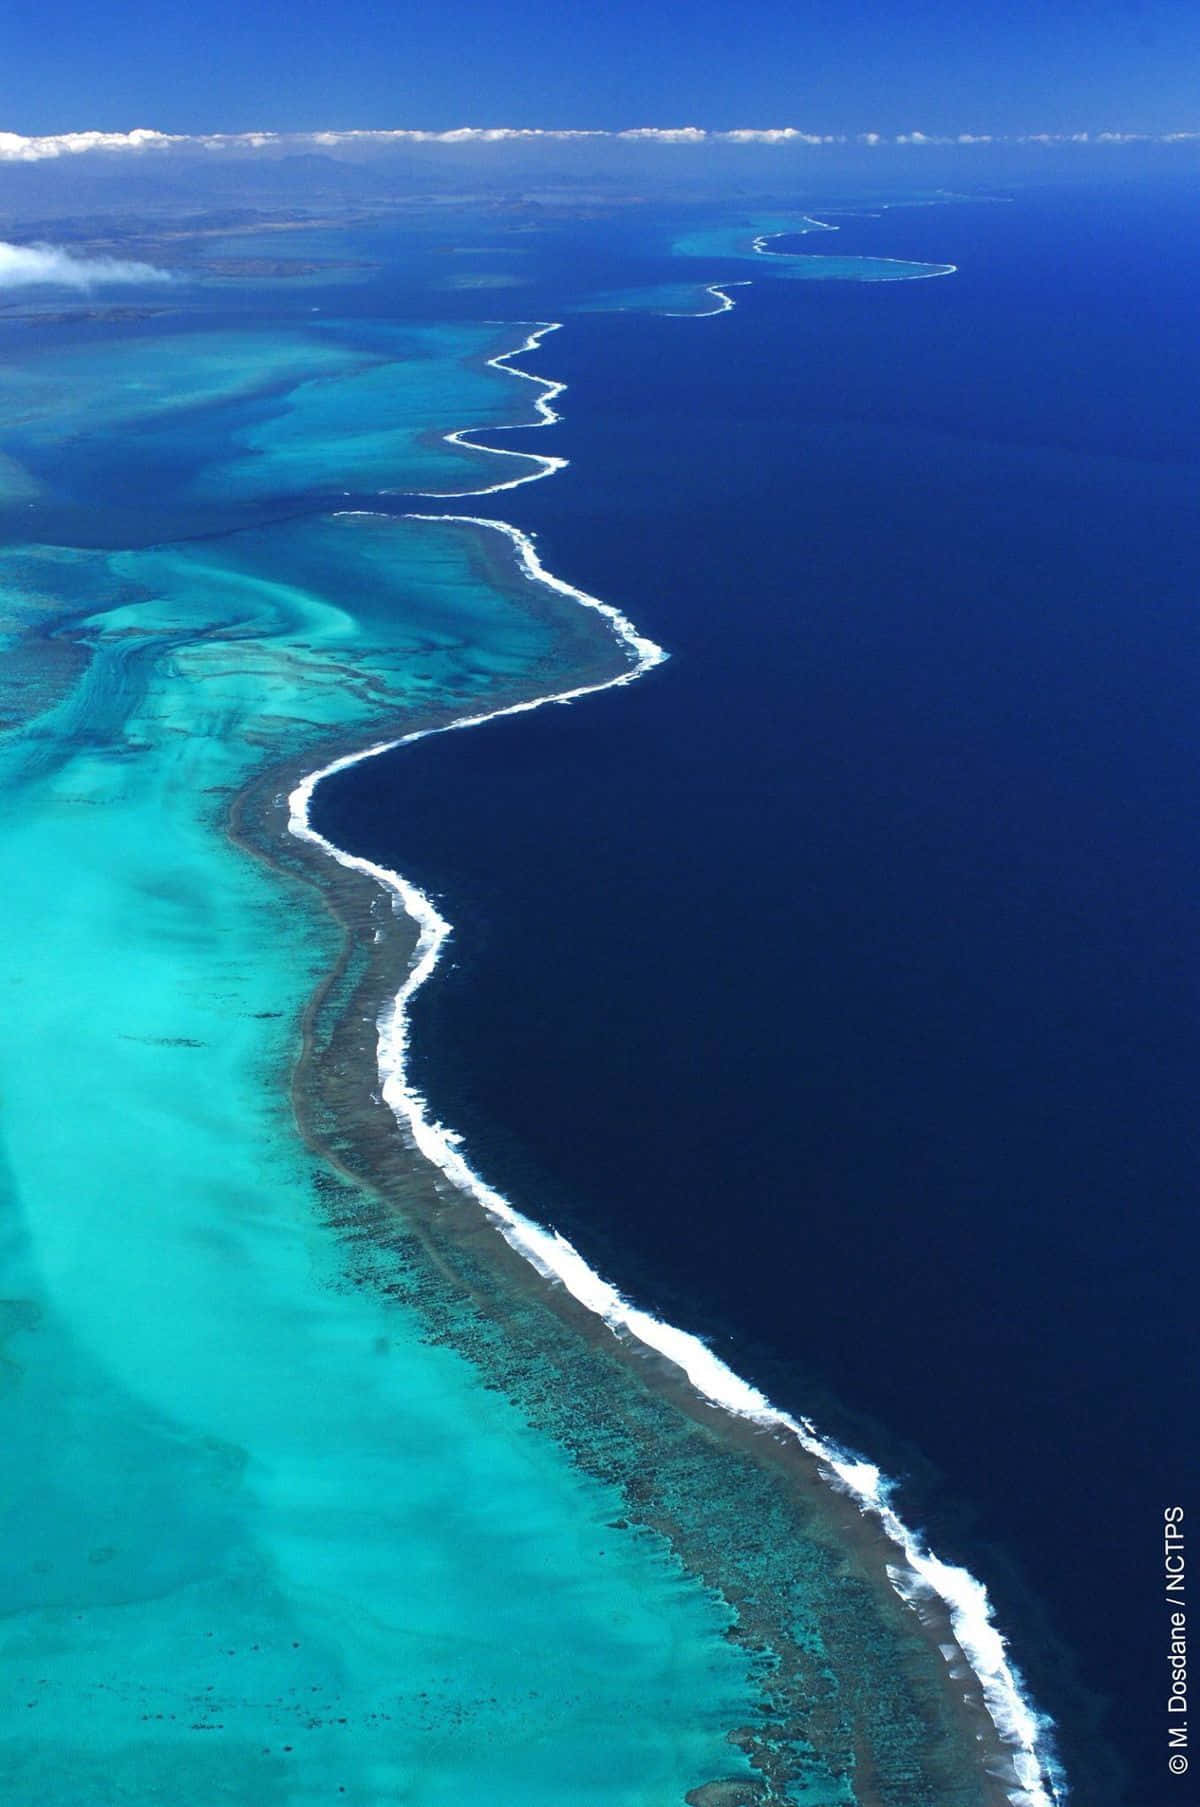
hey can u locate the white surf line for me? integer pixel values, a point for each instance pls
(922, 1576)
(543, 404)
(760, 243)
(726, 301)
(918, 274)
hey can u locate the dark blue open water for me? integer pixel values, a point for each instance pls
(834, 988)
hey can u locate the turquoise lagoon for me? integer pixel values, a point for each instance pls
(750, 251)
(238, 417)
(306, 1501)
(751, 241)
(677, 300)
(739, 238)
(265, 1542)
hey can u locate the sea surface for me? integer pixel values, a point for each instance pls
(830, 987)
(272, 1531)
(833, 988)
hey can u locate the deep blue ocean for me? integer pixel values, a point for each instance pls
(834, 987)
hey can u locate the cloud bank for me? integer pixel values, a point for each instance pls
(15, 148)
(28, 266)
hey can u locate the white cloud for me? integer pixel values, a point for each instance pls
(464, 134)
(16, 149)
(25, 266)
(788, 134)
(660, 134)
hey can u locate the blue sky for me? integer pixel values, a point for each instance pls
(826, 65)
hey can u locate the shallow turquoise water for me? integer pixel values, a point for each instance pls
(243, 416)
(752, 242)
(684, 299)
(738, 240)
(369, 426)
(265, 1542)
(813, 267)
(277, 1532)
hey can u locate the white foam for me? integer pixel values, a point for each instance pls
(726, 301)
(915, 271)
(545, 463)
(808, 220)
(922, 1576)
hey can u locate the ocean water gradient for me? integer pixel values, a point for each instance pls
(261, 1529)
(290, 1525)
(215, 1294)
(859, 918)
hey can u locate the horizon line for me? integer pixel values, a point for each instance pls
(16, 147)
